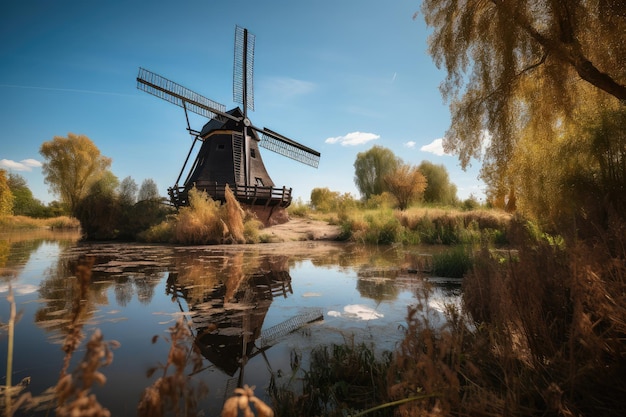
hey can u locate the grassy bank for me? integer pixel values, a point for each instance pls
(9, 223)
(417, 225)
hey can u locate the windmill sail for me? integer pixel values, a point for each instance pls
(291, 149)
(177, 94)
(243, 68)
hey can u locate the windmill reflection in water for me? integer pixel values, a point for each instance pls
(227, 316)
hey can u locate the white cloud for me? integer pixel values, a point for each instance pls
(353, 138)
(288, 87)
(410, 144)
(23, 165)
(435, 147)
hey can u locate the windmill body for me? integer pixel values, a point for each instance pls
(229, 155)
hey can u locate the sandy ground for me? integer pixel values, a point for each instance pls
(299, 229)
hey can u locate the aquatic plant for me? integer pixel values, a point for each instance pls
(452, 263)
(340, 379)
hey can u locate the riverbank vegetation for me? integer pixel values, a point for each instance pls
(206, 221)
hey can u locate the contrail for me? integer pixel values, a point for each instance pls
(71, 90)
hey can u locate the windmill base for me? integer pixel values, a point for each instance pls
(268, 215)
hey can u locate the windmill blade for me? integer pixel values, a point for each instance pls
(270, 336)
(168, 90)
(243, 68)
(287, 147)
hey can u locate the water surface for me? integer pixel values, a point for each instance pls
(250, 309)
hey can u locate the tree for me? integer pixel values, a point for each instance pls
(149, 191)
(406, 183)
(371, 167)
(439, 189)
(99, 210)
(583, 169)
(128, 191)
(323, 199)
(24, 204)
(6, 197)
(72, 166)
(512, 65)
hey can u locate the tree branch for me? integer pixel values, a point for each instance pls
(569, 54)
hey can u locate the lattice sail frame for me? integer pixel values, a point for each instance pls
(286, 147)
(176, 94)
(243, 39)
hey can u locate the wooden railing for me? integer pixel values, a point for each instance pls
(253, 195)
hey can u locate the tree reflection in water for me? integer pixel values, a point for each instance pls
(228, 308)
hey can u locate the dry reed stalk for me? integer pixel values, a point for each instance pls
(556, 320)
(234, 216)
(174, 391)
(244, 404)
(9, 391)
(72, 390)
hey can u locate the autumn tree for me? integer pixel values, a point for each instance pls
(406, 183)
(323, 199)
(439, 189)
(371, 167)
(73, 164)
(6, 197)
(514, 66)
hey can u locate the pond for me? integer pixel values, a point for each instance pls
(249, 308)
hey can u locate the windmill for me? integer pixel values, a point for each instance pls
(229, 154)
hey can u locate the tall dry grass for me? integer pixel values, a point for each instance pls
(206, 222)
(544, 334)
(26, 223)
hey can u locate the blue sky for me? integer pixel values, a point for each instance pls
(337, 76)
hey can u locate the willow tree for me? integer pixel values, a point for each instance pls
(513, 65)
(370, 169)
(73, 164)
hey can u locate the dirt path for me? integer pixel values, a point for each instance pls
(299, 229)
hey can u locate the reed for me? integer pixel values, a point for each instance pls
(341, 379)
(174, 391)
(453, 263)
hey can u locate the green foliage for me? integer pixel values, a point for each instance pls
(25, 204)
(109, 212)
(380, 201)
(6, 197)
(298, 208)
(148, 190)
(99, 211)
(470, 203)
(128, 191)
(322, 199)
(439, 189)
(370, 169)
(341, 379)
(430, 226)
(513, 64)
(453, 263)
